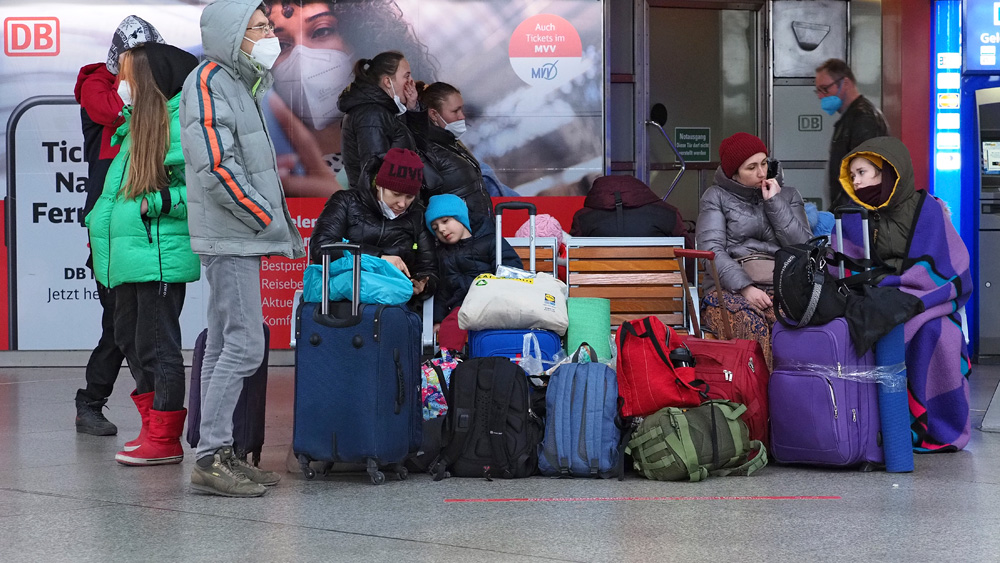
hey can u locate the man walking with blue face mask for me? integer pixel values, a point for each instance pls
(860, 119)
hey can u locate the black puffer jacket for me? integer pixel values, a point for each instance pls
(460, 263)
(355, 215)
(370, 128)
(450, 168)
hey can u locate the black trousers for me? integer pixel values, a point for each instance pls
(106, 360)
(148, 331)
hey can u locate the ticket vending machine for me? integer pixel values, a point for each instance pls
(988, 288)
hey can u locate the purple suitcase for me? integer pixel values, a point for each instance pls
(817, 418)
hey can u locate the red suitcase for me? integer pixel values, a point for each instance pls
(733, 369)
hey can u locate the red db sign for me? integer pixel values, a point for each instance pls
(31, 37)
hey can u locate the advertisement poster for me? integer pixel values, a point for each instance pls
(531, 75)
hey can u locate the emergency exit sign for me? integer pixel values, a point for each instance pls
(694, 143)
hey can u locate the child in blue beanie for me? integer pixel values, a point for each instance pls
(462, 255)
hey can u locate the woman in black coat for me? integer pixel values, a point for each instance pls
(373, 106)
(450, 167)
(382, 216)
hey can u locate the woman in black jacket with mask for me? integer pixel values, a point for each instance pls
(373, 104)
(451, 167)
(381, 215)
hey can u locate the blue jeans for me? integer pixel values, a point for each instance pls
(235, 346)
(148, 332)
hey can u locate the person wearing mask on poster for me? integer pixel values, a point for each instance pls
(382, 214)
(319, 42)
(100, 115)
(373, 106)
(860, 120)
(142, 252)
(450, 167)
(746, 213)
(237, 214)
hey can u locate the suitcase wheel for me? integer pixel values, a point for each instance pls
(401, 472)
(307, 471)
(377, 476)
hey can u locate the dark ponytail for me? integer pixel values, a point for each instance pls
(371, 71)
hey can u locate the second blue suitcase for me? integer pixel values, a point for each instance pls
(357, 384)
(510, 343)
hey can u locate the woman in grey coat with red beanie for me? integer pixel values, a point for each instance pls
(746, 213)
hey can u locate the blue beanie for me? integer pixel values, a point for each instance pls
(446, 205)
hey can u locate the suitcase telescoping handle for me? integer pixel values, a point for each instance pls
(838, 214)
(709, 256)
(532, 211)
(326, 251)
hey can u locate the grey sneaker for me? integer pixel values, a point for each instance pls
(90, 419)
(224, 477)
(255, 474)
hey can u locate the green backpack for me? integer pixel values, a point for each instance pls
(676, 444)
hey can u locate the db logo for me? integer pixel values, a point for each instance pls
(31, 37)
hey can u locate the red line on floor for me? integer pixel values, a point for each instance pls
(592, 499)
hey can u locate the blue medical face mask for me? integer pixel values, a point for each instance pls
(831, 104)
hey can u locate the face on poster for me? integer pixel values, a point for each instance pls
(530, 75)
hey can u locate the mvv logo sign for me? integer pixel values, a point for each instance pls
(31, 37)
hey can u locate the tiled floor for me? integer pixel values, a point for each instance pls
(63, 498)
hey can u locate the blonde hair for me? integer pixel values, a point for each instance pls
(149, 127)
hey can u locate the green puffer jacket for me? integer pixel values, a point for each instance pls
(129, 247)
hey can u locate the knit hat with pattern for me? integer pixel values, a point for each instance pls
(401, 171)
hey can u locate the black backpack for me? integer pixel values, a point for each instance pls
(494, 422)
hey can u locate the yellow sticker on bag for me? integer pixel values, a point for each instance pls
(483, 279)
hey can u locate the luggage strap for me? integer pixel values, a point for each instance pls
(694, 383)
(458, 424)
(497, 420)
(751, 465)
(620, 215)
(675, 444)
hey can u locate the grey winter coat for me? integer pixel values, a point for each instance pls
(236, 205)
(735, 221)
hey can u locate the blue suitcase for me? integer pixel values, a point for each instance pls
(510, 343)
(357, 381)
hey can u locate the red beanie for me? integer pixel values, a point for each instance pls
(736, 149)
(401, 171)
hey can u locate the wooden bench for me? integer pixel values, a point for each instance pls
(640, 276)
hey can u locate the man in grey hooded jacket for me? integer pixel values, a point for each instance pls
(236, 214)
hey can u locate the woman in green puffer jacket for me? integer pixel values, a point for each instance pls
(142, 250)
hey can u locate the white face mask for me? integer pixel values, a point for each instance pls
(386, 210)
(311, 80)
(456, 128)
(265, 51)
(395, 97)
(125, 92)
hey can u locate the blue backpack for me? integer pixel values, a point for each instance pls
(584, 434)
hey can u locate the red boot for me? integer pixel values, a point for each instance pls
(143, 402)
(162, 443)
